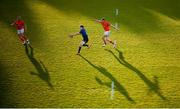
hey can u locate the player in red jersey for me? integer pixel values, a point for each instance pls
(106, 25)
(20, 26)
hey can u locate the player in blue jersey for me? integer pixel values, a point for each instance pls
(85, 38)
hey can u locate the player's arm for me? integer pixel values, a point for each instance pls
(114, 27)
(25, 27)
(96, 20)
(75, 34)
(13, 23)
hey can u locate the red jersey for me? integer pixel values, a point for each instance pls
(19, 24)
(106, 25)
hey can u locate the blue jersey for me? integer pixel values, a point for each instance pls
(84, 34)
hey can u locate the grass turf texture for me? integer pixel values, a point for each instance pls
(145, 67)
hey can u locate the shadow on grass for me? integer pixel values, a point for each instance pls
(153, 86)
(104, 71)
(42, 71)
(133, 15)
(6, 85)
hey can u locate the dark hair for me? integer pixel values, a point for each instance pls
(81, 26)
(103, 19)
(18, 17)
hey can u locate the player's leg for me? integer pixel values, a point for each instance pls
(104, 40)
(80, 46)
(24, 36)
(85, 43)
(106, 34)
(109, 40)
(20, 37)
(26, 39)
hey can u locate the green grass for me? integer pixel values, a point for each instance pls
(145, 67)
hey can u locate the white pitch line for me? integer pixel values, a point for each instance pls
(117, 12)
(116, 25)
(112, 90)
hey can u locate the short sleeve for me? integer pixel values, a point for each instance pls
(81, 31)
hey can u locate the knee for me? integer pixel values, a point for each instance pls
(80, 45)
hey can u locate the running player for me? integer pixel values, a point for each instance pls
(20, 26)
(85, 38)
(106, 25)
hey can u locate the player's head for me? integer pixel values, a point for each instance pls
(18, 17)
(81, 26)
(103, 19)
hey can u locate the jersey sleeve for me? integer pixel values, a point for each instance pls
(80, 31)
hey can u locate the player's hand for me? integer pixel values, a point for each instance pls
(12, 24)
(97, 20)
(71, 36)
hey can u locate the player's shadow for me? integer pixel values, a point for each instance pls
(42, 71)
(152, 85)
(118, 86)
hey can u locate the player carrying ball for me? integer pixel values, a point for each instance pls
(20, 26)
(85, 38)
(106, 25)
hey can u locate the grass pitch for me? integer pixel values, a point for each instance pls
(145, 67)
